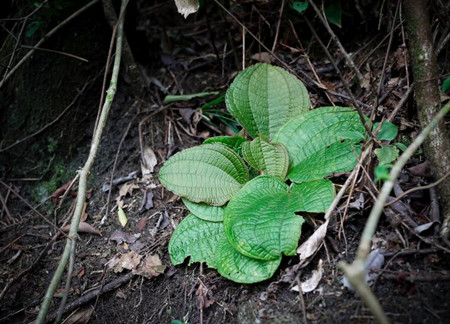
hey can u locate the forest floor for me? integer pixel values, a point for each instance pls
(178, 57)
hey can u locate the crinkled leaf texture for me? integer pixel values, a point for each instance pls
(196, 238)
(269, 158)
(313, 197)
(210, 173)
(233, 142)
(260, 221)
(205, 241)
(204, 211)
(264, 97)
(322, 141)
(239, 268)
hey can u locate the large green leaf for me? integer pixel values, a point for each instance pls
(210, 173)
(260, 221)
(264, 97)
(205, 212)
(321, 142)
(269, 158)
(196, 238)
(314, 197)
(239, 268)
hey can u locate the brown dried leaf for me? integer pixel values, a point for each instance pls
(150, 267)
(263, 57)
(129, 261)
(127, 188)
(141, 224)
(83, 227)
(80, 316)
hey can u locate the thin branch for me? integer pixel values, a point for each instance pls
(407, 192)
(336, 40)
(46, 36)
(81, 197)
(56, 52)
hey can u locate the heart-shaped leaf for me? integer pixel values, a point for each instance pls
(388, 131)
(321, 142)
(205, 212)
(196, 238)
(269, 158)
(210, 173)
(260, 221)
(239, 268)
(264, 97)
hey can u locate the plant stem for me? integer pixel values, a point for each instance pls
(84, 175)
(356, 271)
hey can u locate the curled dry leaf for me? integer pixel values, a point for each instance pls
(312, 245)
(80, 316)
(83, 227)
(127, 188)
(148, 162)
(187, 7)
(311, 283)
(122, 237)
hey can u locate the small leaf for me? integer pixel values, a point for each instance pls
(187, 7)
(445, 85)
(386, 154)
(239, 268)
(300, 6)
(32, 28)
(205, 212)
(122, 217)
(196, 238)
(210, 173)
(387, 132)
(333, 12)
(269, 158)
(264, 97)
(322, 141)
(233, 142)
(382, 172)
(260, 222)
(314, 196)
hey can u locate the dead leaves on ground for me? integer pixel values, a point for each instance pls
(147, 266)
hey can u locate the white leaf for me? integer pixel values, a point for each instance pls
(311, 245)
(148, 161)
(187, 7)
(311, 283)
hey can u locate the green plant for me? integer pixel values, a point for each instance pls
(244, 192)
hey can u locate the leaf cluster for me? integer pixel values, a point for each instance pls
(245, 192)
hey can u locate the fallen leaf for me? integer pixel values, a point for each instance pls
(118, 181)
(420, 170)
(80, 316)
(122, 237)
(149, 200)
(312, 244)
(358, 204)
(122, 217)
(422, 228)
(187, 7)
(150, 267)
(141, 224)
(128, 261)
(148, 162)
(263, 57)
(83, 227)
(374, 261)
(311, 283)
(61, 190)
(127, 188)
(202, 297)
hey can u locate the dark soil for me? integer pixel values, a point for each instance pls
(180, 57)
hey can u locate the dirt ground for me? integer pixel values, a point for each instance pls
(177, 56)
